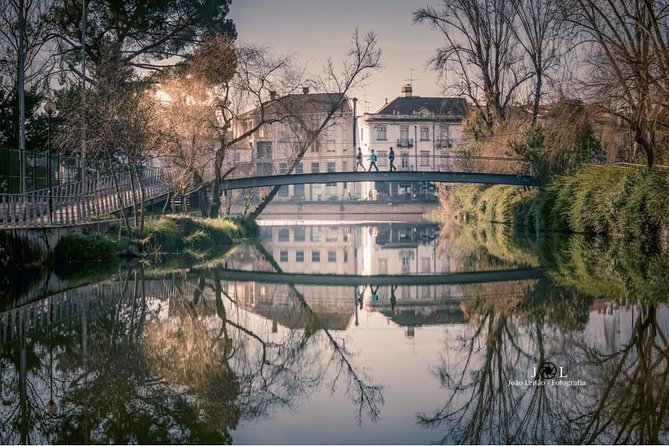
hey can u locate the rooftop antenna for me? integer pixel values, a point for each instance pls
(366, 101)
(411, 78)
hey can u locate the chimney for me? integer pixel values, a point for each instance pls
(386, 101)
(305, 90)
(407, 91)
(272, 95)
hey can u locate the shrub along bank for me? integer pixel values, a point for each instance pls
(620, 201)
(195, 237)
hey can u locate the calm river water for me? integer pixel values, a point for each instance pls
(366, 333)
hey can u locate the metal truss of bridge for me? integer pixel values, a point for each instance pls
(436, 169)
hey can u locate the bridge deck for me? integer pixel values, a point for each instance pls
(356, 177)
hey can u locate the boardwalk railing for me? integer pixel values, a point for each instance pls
(80, 202)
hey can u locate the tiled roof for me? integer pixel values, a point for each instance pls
(436, 106)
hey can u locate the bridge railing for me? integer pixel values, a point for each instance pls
(79, 202)
(427, 162)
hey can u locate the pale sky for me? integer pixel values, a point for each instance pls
(317, 29)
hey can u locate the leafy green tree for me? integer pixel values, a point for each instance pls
(145, 33)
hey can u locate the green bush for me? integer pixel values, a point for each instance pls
(77, 247)
(197, 237)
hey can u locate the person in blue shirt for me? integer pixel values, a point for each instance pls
(372, 161)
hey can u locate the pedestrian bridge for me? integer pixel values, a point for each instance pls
(323, 169)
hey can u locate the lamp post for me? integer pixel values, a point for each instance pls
(22, 99)
(49, 108)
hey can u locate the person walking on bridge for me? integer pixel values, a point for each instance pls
(372, 161)
(391, 158)
(358, 159)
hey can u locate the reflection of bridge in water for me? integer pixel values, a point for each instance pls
(357, 280)
(334, 300)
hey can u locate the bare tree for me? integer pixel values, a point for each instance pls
(259, 78)
(630, 66)
(38, 33)
(542, 36)
(361, 58)
(481, 50)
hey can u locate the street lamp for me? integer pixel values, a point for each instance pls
(49, 108)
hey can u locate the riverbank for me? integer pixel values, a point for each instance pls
(623, 202)
(195, 238)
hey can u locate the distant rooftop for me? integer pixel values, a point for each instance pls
(456, 107)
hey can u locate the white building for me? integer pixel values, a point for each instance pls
(273, 146)
(421, 130)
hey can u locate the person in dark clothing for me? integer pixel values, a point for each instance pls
(391, 158)
(372, 161)
(358, 159)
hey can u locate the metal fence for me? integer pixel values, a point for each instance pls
(79, 202)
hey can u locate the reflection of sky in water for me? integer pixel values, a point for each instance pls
(479, 333)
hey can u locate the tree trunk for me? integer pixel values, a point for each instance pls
(537, 99)
(216, 191)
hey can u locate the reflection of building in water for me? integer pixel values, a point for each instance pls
(313, 249)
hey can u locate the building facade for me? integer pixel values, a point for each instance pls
(289, 120)
(422, 131)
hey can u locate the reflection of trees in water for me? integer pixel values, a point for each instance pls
(631, 382)
(482, 407)
(366, 396)
(172, 362)
(625, 399)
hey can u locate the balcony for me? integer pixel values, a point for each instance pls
(404, 142)
(443, 143)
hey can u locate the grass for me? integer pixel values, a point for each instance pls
(628, 203)
(197, 238)
(84, 247)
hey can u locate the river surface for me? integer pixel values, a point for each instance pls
(361, 333)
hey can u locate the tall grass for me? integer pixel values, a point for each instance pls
(631, 203)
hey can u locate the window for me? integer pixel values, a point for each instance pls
(315, 168)
(284, 235)
(381, 133)
(383, 158)
(299, 256)
(404, 134)
(425, 265)
(299, 168)
(425, 133)
(345, 256)
(383, 266)
(283, 168)
(283, 191)
(404, 158)
(283, 256)
(332, 166)
(264, 149)
(332, 235)
(332, 256)
(424, 158)
(298, 191)
(315, 256)
(298, 235)
(315, 234)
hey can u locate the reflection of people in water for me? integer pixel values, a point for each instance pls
(393, 299)
(375, 295)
